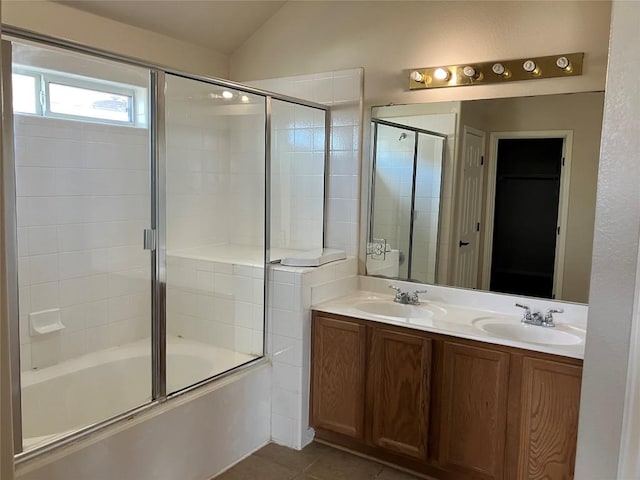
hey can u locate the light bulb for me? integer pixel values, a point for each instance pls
(531, 67)
(416, 76)
(498, 69)
(469, 71)
(227, 94)
(441, 74)
(563, 63)
(244, 99)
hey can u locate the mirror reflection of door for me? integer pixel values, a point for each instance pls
(527, 216)
(405, 202)
(470, 207)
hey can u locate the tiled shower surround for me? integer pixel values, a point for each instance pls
(294, 290)
(82, 203)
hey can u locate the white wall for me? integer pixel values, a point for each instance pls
(615, 261)
(387, 37)
(64, 22)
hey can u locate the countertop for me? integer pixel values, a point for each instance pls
(455, 320)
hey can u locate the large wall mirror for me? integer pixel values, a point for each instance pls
(494, 194)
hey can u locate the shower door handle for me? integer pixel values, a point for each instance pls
(463, 244)
(149, 239)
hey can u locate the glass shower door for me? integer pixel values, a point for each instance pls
(392, 197)
(82, 195)
(215, 210)
(405, 202)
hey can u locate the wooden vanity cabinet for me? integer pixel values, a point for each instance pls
(338, 375)
(473, 413)
(545, 422)
(451, 408)
(398, 396)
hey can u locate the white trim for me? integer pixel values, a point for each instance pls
(563, 201)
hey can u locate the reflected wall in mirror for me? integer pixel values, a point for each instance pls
(516, 204)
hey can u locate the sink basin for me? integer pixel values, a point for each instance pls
(388, 309)
(509, 329)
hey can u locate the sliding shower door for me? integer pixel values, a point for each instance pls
(82, 196)
(215, 210)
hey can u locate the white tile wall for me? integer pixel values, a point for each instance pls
(217, 303)
(297, 189)
(83, 201)
(293, 290)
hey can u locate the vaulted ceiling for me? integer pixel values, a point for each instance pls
(220, 25)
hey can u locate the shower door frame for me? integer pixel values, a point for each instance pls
(157, 139)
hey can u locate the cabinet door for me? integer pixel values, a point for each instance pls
(549, 422)
(399, 379)
(338, 375)
(474, 410)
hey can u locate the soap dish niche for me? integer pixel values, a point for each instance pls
(45, 322)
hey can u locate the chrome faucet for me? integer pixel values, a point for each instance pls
(537, 318)
(406, 298)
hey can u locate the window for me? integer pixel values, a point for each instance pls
(69, 96)
(84, 102)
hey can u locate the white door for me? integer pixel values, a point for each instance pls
(468, 246)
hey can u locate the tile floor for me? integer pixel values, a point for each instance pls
(314, 462)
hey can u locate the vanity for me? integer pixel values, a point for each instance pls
(450, 391)
(494, 195)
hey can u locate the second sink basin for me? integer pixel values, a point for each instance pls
(505, 328)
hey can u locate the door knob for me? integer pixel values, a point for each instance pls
(463, 244)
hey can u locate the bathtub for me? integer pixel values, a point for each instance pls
(86, 390)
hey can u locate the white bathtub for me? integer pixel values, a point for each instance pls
(77, 393)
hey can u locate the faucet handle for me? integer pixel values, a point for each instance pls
(397, 289)
(419, 291)
(527, 310)
(548, 318)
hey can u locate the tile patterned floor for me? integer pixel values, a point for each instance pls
(314, 462)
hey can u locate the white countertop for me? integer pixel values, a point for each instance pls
(456, 321)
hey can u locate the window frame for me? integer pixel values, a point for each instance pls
(45, 78)
(37, 88)
(85, 84)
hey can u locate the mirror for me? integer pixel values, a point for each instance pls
(494, 194)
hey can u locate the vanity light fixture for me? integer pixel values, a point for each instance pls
(532, 68)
